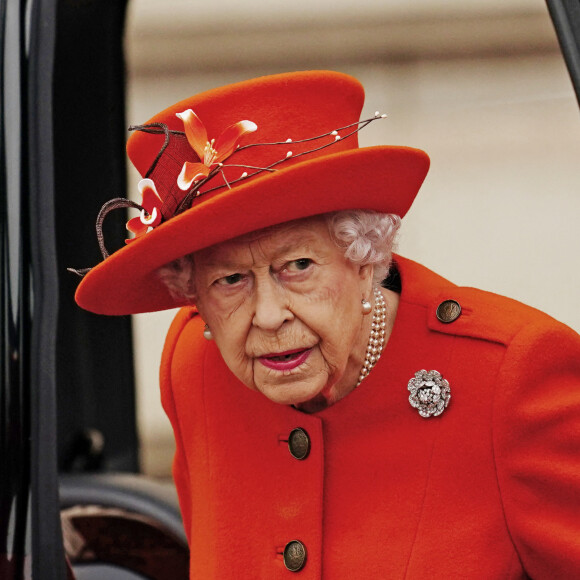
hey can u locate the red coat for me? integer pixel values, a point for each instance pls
(489, 489)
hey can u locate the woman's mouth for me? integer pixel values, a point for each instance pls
(285, 361)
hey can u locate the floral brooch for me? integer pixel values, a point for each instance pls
(430, 393)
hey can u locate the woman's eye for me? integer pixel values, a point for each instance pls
(229, 280)
(300, 264)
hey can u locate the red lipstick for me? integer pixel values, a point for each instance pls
(285, 361)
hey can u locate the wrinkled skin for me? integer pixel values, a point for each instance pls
(288, 290)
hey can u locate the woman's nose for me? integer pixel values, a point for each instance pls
(271, 307)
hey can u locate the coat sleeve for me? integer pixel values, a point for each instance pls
(536, 437)
(180, 468)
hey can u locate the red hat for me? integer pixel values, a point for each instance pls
(241, 158)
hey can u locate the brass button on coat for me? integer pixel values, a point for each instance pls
(448, 311)
(299, 443)
(294, 556)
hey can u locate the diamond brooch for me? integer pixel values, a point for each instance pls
(430, 393)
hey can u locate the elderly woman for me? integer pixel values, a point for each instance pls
(339, 412)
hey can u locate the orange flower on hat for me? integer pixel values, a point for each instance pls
(150, 214)
(209, 152)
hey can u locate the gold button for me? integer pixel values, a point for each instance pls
(299, 443)
(294, 556)
(448, 311)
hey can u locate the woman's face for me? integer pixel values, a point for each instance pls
(284, 307)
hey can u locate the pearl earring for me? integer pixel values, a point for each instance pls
(207, 333)
(366, 306)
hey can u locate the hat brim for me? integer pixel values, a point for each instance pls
(383, 178)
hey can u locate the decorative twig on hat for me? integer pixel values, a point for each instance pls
(193, 176)
(194, 190)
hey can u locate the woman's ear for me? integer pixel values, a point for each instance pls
(365, 273)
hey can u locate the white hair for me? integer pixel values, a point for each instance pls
(365, 236)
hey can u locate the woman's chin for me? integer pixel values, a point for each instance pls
(296, 393)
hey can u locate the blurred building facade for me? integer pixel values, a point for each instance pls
(481, 86)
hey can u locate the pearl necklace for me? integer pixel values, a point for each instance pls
(377, 336)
